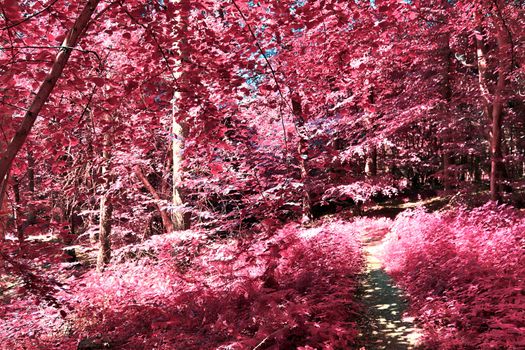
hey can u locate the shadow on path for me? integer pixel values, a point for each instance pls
(384, 326)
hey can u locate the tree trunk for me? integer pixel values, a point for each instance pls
(106, 209)
(302, 150)
(104, 235)
(446, 56)
(179, 219)
(166, 220)
(371, 163)
(4, 213)
(371, 159)
(504, 66)
(46, 88)
(18, 217)
(493, 105)
(31, 171)
(31, 211)
(446, 172)
(495, 155)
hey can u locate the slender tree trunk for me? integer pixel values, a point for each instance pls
(487, 103)
(371, 163)
(446, 172)
(31, 171)
(4, 213)
(495, 155)
(42, 95)
(179, 219)
(104, 235)
(31, 212)
(371, 157)
(18, 217)
(302, 150)
(494, 103)
(147, 228)
(504, 66)
(106, 209)
(166, 220)
(446, 56)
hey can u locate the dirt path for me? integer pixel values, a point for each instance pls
(385, 327)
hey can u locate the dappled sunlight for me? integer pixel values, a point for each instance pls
(385, 326)
(389, 329)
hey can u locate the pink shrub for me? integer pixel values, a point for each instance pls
(464, 272)
(183, 291)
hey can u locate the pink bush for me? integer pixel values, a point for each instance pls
(183, 291)
(464, 272)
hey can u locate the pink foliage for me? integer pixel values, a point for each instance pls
(183, 291)
(364, 191)
(463, 271)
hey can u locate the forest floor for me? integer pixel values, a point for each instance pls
(185, 291)
(384, 326)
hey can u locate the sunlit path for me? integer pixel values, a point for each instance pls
(384, 326)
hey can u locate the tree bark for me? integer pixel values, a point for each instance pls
(31, 212)
(18, 217)
(104, 235)
(179, 219)
(446, 54)
(371, 157)
(371, 162)
(4, 213)
(45, 89)
(504, 66)
(494, 103)
(164, 215)
(302, 150)
(31, 171)
(106, 209)
(446, 171)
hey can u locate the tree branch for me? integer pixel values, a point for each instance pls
(46, 88)
(30, 16)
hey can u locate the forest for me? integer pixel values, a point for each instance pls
(262, 174)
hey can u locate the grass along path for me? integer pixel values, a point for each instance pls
(384, 326)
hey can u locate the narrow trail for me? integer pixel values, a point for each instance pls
(384, 327)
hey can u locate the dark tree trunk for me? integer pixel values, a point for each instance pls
(495, 155)
(18, 217)
(446, 56)
(446, 171)
(31, 171)
(4, 213)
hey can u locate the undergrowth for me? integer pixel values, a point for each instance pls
(293, 289)
(464, 272)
